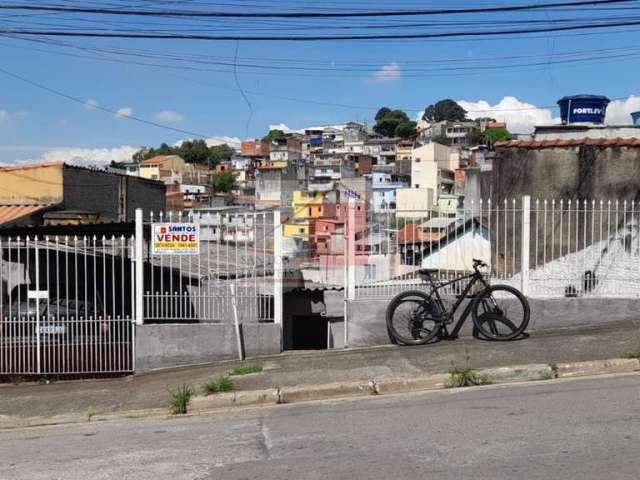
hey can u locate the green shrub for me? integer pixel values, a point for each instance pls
(635, 355)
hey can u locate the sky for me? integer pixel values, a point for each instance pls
(204, 100)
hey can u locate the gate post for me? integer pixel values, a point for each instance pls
(139, 253)
(525, 244)
(278, 276)
(350, 264)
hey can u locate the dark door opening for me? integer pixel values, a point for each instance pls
(309, 332)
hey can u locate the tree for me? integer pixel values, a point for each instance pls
(383, 112)
(219, 153)
(442, 140)
(444, 110)
(406, 130)
(493, 135)
(225, 181)
(273, 134)
(387, 121)
(475, 137)
(192, 151)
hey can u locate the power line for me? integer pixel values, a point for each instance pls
(313, 38)
(346, 14)
(98, 107)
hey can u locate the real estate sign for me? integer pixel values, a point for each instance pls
(175, 239)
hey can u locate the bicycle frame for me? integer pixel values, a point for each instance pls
(475, 277)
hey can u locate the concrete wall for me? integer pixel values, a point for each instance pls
(114, 197)
(172, 345)
(586, 172)
(367, 326)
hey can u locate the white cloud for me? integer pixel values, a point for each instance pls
(98, 157)
(124, 112)
(90, 103)
(280, 126)
(388, 73)
(233, 142)
(6, 115)
(169, 116)
(521, 117)
(619, 111)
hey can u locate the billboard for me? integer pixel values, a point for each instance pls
(175, 239)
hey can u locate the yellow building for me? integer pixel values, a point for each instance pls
(299, 229)
(307, 205)
(306, 208)
(40, 183)
(161, 166)
(404, 151)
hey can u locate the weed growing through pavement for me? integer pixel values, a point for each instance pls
(219, 385)
(247, 369)
(180, 399)
(635, 355)
(465, 377)
(554, 370)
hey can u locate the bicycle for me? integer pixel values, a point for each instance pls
(499, 312)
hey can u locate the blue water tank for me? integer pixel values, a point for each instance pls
(583, 109)
(635, 116)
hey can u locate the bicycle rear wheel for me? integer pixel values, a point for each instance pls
(501, 312)
(413, 319)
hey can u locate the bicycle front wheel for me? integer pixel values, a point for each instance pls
(413, 319)
(501, 312)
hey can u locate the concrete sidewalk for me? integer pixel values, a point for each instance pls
(150, 390)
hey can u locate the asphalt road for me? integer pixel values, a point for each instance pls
(587, 429)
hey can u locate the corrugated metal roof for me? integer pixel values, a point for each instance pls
(9, 213)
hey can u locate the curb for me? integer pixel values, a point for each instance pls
(306, 393)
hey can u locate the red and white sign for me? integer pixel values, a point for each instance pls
(175, 239)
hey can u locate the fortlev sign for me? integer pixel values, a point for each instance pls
(175, 239)
(583, 109)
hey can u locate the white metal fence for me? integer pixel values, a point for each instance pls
(547, 248)
(66, 305)
(235, 249)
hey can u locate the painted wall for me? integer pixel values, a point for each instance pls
(32, 184)
(171, 345)
(414, 202)
(458, 255)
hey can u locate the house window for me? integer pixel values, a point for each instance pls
(417, 160)
(417, 185)
(301, 230)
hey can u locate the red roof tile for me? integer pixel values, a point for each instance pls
(574, 142)
(9, 213)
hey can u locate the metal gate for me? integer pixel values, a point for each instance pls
(66, 305)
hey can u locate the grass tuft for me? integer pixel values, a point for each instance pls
(247, 369)
(180, 398)
(219, 385)
(635, 355)
(466, 377)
